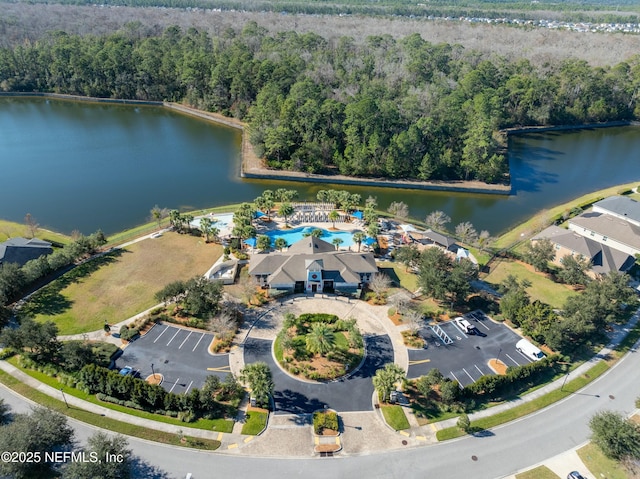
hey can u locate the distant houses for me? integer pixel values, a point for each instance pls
(21, 250)
(312, 265)
(608, 235)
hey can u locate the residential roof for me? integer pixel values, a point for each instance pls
(438, 238)
(292, 265)
(21, 250)
(621, 206)
(312, 245)
(603, 258)
(610, 226)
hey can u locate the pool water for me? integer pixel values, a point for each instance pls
(293, 235)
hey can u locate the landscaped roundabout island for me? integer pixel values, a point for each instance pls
(319, 346)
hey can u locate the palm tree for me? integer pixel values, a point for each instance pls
(385, 379)
(337, 242)
(263, 243)
(286, 210)
(321, 339)
(280, 243)
(257, 376)
(333, 217)
(206, 225)
(358, 238)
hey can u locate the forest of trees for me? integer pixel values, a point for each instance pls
(384, 107)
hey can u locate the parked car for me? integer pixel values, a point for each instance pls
(126, 371)
(575, 475)
(468, 328)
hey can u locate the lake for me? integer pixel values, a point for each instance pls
(83, 166)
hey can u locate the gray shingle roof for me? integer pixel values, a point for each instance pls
(292, 265)
(621, 205)
(21, 250)
(603, 258)
(606, 225)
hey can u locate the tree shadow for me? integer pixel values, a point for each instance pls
(479, 432)
(296, 403)
(141, 468)
(50, 301)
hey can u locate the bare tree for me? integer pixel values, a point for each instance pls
(437, 220)
(223, 324)
(414, 319)
(399, 209)
(400, 301)
(32, 225)
(466, 232)
(379, 284)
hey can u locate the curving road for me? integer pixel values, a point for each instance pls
(503, 451)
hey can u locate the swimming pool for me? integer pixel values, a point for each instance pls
(222, 221)
(293, 235)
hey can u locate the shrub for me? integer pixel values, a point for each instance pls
(325, 420)
(464, 423)
(392, 311)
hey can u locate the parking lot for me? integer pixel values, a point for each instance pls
(179, 354)
(464, 357)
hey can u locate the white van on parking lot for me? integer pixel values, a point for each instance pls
(529, 350)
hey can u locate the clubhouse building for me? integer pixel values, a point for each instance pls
(312, 265)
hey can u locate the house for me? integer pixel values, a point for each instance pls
(21, 250)
(608, 230)
(620, 207)
(313, 265)
(603, 258)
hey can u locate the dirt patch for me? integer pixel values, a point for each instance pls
(327, 448)
(498, 366)
(156, 378)
(396, 319)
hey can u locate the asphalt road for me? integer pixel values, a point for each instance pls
(507, 449)
(349, 394)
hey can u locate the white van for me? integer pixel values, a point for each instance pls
(529, 350)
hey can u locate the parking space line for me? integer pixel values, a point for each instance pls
(174, 385)
(459, 329)
(185, 340)
(483, 325)
(479, 370)
(177, 331)
(455, 378)
(515, 362)
(473, 380)
(194, 348)
(165, 330)
(189, 387)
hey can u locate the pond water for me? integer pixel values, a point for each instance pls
(83, 166)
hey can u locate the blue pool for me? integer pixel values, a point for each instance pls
(293, 235)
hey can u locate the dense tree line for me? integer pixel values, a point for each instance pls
(398, 109)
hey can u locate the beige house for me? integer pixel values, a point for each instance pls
(603, 258)
(312, 265)
(608, 230)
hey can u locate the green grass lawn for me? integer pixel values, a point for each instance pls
(541, 472)
(120, 285)
(395, 417)
(542, 288)
(599, 465)
(397, 273)
(10, 229)
(255, 423)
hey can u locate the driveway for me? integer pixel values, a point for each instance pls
(352, 393)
